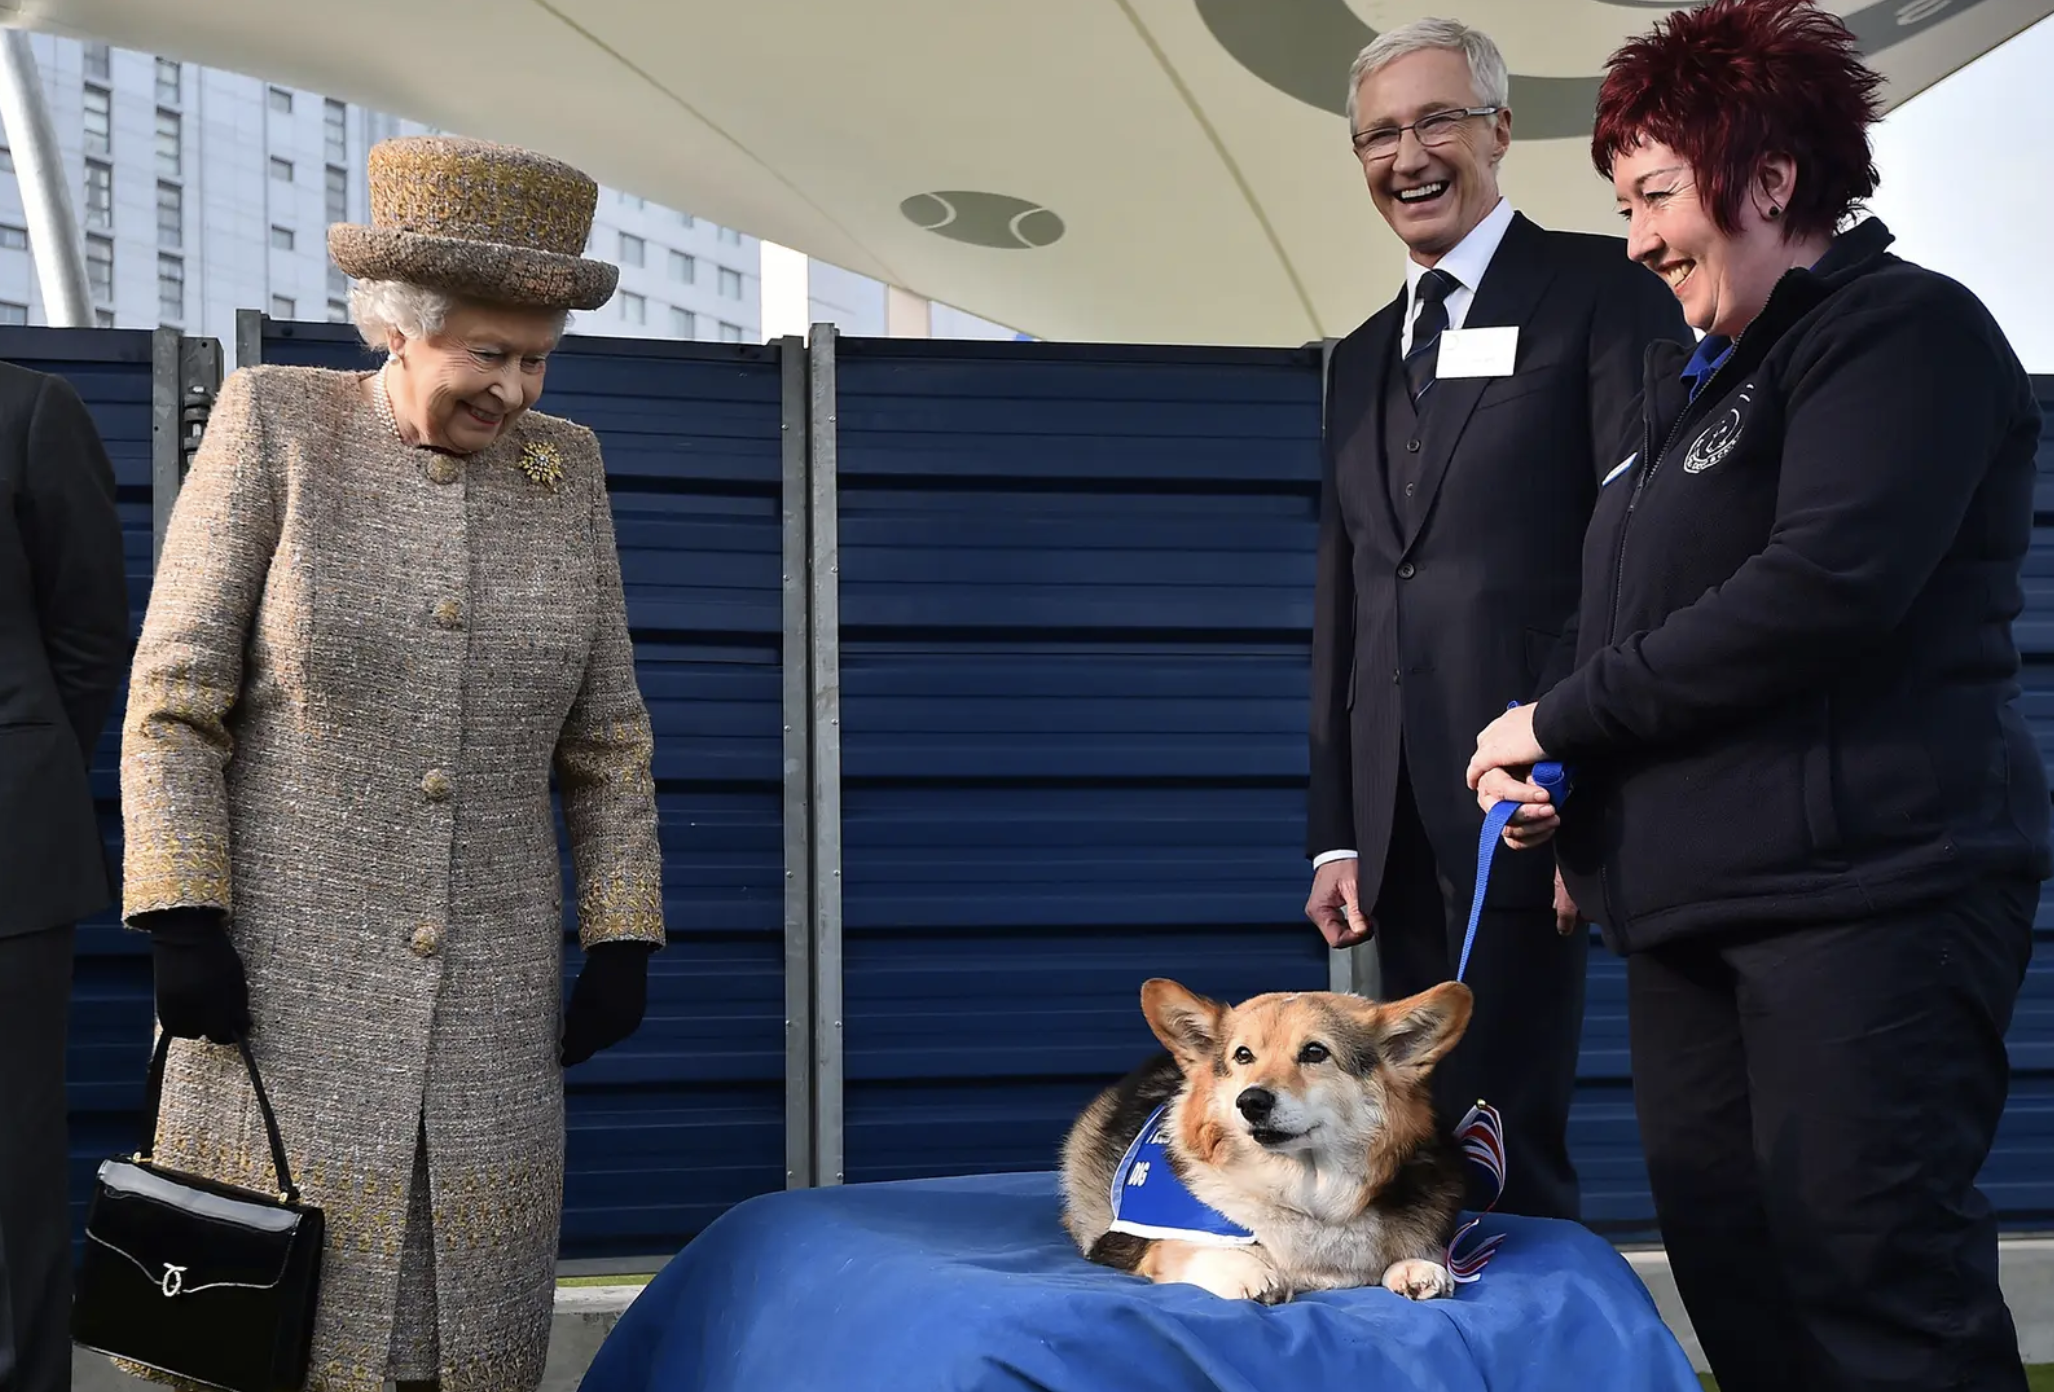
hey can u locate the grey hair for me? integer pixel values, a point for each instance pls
(377, 307)
(1486, 65)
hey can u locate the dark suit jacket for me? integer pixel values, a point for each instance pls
(64, 646)
(1422, 636)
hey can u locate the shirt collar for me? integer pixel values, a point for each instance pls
(1471, 256)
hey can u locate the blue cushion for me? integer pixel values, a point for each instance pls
(960, 1284)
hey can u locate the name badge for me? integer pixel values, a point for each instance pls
(1477, 352)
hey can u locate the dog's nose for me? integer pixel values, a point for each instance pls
(1256, 1103)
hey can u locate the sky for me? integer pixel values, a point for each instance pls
(1968, 185)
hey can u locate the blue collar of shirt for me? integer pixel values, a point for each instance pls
(1712, 352)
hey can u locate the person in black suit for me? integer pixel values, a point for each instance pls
(1469, 423)
(64, 646)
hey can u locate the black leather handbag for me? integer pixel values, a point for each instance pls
(201, 1280)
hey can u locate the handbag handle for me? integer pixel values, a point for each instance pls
(153, 1094)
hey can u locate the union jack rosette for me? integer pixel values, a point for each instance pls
(1482, 1134)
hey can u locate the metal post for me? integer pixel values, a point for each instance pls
(826, 686)
(798, 772)
(185, 376)
(249, 337)
(1352, 970)
(59, 255)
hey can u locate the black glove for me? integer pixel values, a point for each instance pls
(201, 992)
(607, 1002)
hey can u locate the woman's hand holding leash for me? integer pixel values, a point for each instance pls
(1498, 772)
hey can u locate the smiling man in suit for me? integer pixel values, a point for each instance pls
(1471, 422)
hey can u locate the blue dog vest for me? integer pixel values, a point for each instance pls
(1150, 1200)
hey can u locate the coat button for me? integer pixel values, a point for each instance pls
(1412, 447)
(1405, 571)
(427, 940)
(435, 783)
(449, 614)
(443, 469)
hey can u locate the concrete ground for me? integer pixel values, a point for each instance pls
(585, 1314)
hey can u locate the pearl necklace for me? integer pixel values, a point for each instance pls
(383, 402)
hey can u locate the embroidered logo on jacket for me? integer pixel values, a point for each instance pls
(1718, 440)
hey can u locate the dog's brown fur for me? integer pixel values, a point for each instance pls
(1352, 1179)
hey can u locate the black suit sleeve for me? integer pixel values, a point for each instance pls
(1330, 817)
(73, 534)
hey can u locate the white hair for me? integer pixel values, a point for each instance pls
(1486, 65)
(377, 307)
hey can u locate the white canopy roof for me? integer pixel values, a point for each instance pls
(1146, 170)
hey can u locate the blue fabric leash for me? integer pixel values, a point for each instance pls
(1551, 776)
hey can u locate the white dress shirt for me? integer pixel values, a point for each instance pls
(1466, 263)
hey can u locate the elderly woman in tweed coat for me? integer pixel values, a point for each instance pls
(389, 606)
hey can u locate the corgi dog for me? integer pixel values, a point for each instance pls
(1302, 1126)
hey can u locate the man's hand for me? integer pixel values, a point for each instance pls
(1568, 918)
(1333, 907)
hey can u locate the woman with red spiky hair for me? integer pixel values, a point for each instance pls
(1806, 807)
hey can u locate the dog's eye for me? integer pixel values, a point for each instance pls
(1313, 1053)
(1242, 1055)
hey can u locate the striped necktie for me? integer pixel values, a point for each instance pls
(1431, 298)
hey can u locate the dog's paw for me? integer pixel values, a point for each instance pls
(1234, 1273)
(1419, 1280)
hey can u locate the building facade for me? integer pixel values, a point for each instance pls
(200, 192)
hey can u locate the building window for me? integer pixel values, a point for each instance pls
(281, 169)
(14, 238)
(335, 129)
(338, 193)
(684, 219)
(6, 160)
(730, 333)
(681, 268)
(730, 284)
(282, 238)
(99, 195)
(634, 308)
(170, 290)
(170, 216)
(99, 121)
(103, 318)
(682, 324)
(170, 144)
(281, 101)
(730, 236)
(631, 250)
(99, 63)
(338, 311)
(11, 313)
(170, 82)
(338, 283)
(100, 268)
(282, 307)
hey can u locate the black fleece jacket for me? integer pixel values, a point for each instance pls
(1794, 697)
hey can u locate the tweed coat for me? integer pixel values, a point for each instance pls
(359, 665)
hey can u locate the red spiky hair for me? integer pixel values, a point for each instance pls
(1733, 81)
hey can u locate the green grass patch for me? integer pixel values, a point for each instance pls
(623, 1281)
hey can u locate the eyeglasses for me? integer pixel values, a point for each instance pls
(1434, 128)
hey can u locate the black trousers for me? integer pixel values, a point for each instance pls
(35, 1226)
(1815, 1105)
(1519, 1052)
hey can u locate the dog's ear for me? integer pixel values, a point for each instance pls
(1417, 1031)
(1187, 1023)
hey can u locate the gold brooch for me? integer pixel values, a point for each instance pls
(542, 462)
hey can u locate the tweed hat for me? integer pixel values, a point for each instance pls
(488, 222)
